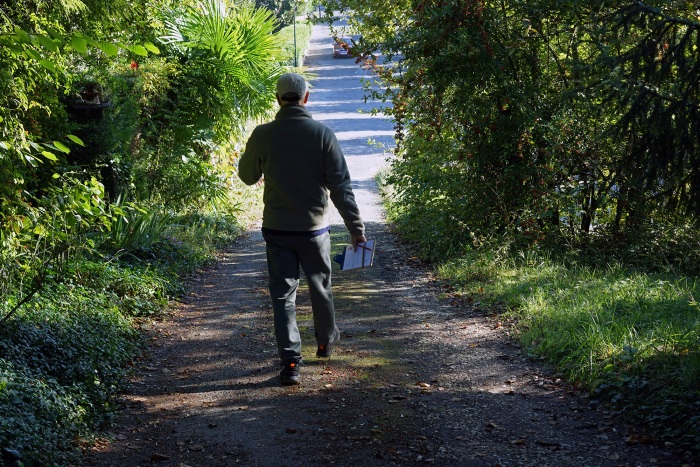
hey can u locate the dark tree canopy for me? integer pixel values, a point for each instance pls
(538, 120)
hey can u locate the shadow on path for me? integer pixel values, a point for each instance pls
(414, 381)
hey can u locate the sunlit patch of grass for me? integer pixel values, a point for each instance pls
(626, 335)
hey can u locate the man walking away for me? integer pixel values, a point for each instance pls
(303, 166)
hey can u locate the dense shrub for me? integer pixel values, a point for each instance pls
(62, 361)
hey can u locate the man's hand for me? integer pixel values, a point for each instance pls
(355, 239)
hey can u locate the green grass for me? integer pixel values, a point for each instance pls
(627, 336)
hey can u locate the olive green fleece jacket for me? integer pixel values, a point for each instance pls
(303, 165)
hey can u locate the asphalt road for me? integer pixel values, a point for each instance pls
(337, 99)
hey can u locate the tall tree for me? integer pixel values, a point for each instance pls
(538, 119)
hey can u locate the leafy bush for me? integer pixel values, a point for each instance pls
(40, 418)
(193, 238)
(655, 246)
(61, 364)
(137, 287)
(64, 355)
(286, 35)
(163, 133)
(135, 232)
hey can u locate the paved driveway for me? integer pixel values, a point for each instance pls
(337, 99)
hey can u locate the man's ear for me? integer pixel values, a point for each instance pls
(306, 97)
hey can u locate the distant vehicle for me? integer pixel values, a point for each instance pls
(342, 47)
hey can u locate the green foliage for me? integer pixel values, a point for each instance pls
(231, 61)
(83, 123)
(80, 107)
(64, 355)
(173, 124)
(284, 11)
(561, 127)
(27, 403)
(648, 88)
(536, 121)
(137, 288)
(136, 232)
(286, 36)
(37, 243)
(117, 179)
(193, 238)
(61, 361)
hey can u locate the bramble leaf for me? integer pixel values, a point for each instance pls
(61, 147)
(76, 140)
(109, 48)
(78, 44)
(48, 64)
(151, 47)
(47, 43)
(49, 155)
(139, 50)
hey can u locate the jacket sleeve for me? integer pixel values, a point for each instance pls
(249, 169)
(337, 180)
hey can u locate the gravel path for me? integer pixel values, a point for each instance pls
(417, 379)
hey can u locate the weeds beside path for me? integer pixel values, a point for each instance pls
(414, 381)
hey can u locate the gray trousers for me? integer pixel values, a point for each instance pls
(285, 253)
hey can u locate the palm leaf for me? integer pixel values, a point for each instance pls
(235, 52)
(242, 39)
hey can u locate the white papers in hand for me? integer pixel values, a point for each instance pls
(362, 257)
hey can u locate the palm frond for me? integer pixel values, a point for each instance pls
(234, 51)
(243, 39)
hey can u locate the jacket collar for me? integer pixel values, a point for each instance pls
(292, 111)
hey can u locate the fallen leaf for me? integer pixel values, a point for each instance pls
(548, 444)
(491, 426)
(636, 438)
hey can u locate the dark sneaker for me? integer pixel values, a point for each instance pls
(324, 350)
(290, 374)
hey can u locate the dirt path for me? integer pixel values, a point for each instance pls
(415, 381)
